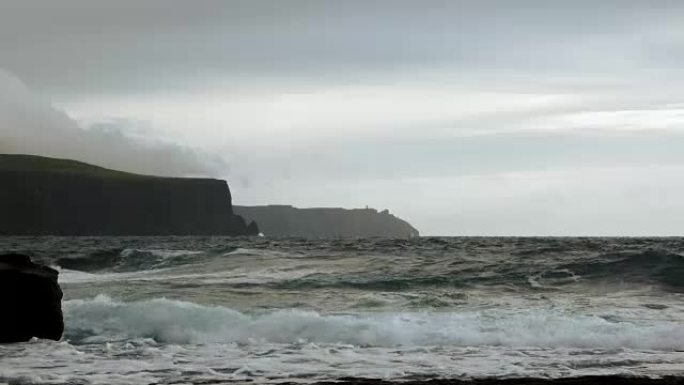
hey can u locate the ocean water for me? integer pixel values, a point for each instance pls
(210, 310)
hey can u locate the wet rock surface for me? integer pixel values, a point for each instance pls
(30, 300)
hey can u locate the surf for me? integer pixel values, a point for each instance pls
(103, 319)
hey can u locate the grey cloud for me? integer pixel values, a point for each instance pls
(134, 46)
(605, 56)
(29, 125)
(642, 200)
(364, 161)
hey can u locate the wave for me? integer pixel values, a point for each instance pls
(649, 265)
(128, 260)
(369, 283)
(387, 273)
(102, 319)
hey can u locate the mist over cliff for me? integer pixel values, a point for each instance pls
(30, 124)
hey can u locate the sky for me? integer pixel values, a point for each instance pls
(485, 117)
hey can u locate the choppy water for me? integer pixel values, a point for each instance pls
(193, 310)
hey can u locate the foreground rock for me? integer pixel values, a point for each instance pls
(30, 300)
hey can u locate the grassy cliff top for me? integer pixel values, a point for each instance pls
(34, 163)
(20, 163)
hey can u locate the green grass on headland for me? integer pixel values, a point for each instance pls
(40, 164)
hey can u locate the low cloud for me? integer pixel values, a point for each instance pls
(30, 125)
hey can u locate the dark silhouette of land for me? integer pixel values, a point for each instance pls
(288, 221)
(47, 196)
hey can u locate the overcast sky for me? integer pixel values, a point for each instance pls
(463, 117)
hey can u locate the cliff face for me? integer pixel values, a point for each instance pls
(288, 221)
(44, 196)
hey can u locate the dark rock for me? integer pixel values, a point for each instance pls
(30, 299)
(46, 196)
(253, 228)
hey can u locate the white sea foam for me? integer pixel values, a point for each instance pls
(73, 276)
(101, 319)
(142, 361)
(158, 253)
(67, 276)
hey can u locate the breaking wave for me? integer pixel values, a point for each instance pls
(127, 260)
(102, 319)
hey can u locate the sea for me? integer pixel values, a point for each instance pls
(211, 310)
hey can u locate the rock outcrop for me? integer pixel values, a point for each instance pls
(46, 196)
(30, 299)
(288, 221)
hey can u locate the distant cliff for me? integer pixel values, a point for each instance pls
(288, 221)
(46, 196)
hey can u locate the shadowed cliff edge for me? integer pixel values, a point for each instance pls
(47, 196)
(288, 221)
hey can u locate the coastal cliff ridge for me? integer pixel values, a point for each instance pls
(49, 196)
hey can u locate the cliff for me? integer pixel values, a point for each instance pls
(46, 196)
(288, 221)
